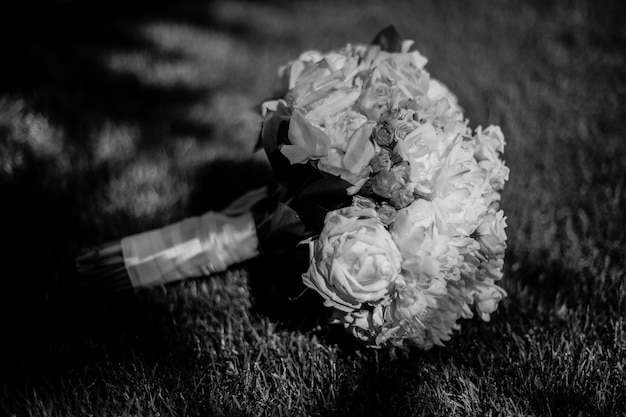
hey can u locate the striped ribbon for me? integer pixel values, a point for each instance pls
(194, 247)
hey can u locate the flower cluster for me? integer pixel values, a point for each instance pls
(422, 243)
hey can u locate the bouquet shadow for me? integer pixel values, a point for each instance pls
(279, 294)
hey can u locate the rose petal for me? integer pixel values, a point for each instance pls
(307, 140)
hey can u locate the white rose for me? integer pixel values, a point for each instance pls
(308, 141)
(351, 150)
(290, 72)
(354, 260)
(497, 172)
(489, 143)
(405, 72)
(313, 75)
(491, 235)
(428, 252)
(341, 145)
(486, 299)
(491, 269)
(438, 91)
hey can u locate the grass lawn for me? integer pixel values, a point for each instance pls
(115, 119)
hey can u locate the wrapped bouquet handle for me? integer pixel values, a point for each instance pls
(194, 247)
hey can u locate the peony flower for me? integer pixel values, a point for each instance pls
(427, 251)
(420, 314)
(410, 305)
(420, 215)
(458, 190)
(423, 149)
(458, 171)
(354, 260)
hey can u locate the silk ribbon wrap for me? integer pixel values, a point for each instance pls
(194, 247)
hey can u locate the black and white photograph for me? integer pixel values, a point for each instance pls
(313, 208)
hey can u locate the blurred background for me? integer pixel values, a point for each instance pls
(117, 117)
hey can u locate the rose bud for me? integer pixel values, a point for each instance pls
(386, 213)
(381, 162)
(401, 198)
(375, 101)
(383, 134)
(362, 202)
(402, 129)
(384, 183)
(402, 171)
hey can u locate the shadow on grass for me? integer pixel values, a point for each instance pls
(279, 293)
(55, 65)
(56, 59)
(52, 326)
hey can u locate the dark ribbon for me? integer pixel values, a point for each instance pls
(388, 39)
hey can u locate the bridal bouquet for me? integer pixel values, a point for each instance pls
(405, 194)
(379, 168)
